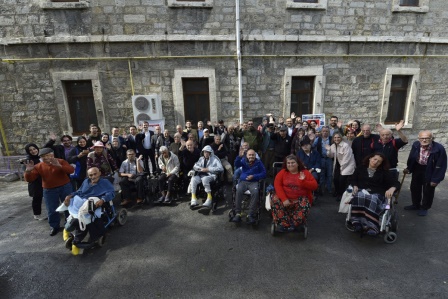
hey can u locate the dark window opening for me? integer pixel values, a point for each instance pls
(409, 3)
(196, 99)
(397, 99)
(64, 0)
(81, 105)
(302, 95)
(307, 1)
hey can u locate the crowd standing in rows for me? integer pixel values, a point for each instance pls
(329, 158)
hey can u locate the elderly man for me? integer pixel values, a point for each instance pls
(310, 158)
(206, 139)
(131, 173)
(55, 182)
(170, 166)
(93, 186)
(102, 160)
(389, 146)
(427, 162)
(206, 170)
(362, 146)
(252, 172)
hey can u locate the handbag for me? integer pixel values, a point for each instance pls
(343, 207)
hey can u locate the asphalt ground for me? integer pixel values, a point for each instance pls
(173, 252)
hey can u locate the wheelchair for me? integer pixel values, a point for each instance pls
(388, 219)
(110, 216)
(217, 190)
(246, 202)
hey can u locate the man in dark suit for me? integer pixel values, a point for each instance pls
(131, 139)
(146, 148)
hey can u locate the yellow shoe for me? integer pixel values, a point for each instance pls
(75, 250)
(65, 235)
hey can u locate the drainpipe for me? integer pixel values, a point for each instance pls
(238, 51)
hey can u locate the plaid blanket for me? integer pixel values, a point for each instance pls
(366, 210)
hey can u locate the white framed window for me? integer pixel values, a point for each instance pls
(303, 90)
(181, 97)
(191, 3)
(419, 6)
(65, 107)
(306, 4)
(399, 96)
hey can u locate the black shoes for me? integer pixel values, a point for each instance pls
(236, 218)
(251, 219)
(54, 231)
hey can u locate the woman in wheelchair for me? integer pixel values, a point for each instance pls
(372, 185)
(293, 194)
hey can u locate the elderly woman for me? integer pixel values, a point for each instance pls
(373, 185)
(293, 194)
(344, 163)
(174, 147)
(101, 159)
(169, 165)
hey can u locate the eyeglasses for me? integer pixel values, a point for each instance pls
(424, 138)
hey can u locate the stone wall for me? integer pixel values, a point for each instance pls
(354, 42)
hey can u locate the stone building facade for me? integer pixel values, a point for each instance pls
(353, 53)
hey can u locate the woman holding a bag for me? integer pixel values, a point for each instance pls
(78, 158)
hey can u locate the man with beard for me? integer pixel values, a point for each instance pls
(94, 136)
(251, 136)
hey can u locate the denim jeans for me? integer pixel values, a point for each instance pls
(53, 198)
(326, 176)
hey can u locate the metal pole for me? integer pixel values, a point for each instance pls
(238, 51)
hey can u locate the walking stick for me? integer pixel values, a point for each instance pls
(401, 185)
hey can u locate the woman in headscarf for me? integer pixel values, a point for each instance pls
(78, 157)
(35, 188)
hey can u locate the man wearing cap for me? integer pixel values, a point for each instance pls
(55, 182)
(206, 170)
(310, 158)
(102, 160)
(282, 146)
(206, 139)
(427, 162)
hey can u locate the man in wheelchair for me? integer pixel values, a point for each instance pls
(207, 170)
(252, 172)
(84, 219)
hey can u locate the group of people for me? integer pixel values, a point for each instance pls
(327, 158)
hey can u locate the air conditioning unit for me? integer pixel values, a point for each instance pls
(146, 107)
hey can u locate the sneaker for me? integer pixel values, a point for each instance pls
(75, 250)
(43, 218)
(371, 232)
(207, 203)
(167, 200)
(161, 198)
(65, 235)
(422, 212)
(36, 217)
(193, 202)
(250, 219)
(236, 218)
(411, 208)
(69, 242)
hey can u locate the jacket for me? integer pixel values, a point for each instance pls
(311, 161)
(437, 162)
(213, 164)
(256, 169)
(282, 187)
(140, 139)
(344, 155)
(172, 166)
(52, 176)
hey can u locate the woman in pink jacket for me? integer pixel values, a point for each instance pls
(344, 163)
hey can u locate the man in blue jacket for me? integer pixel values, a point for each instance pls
(427, 162)
(252, 172)
(310, 158)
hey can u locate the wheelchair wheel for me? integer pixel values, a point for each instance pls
(122, 217)
(390, 237)
(273, 228)
(101, 241)
(349, 226)
(394, 222)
